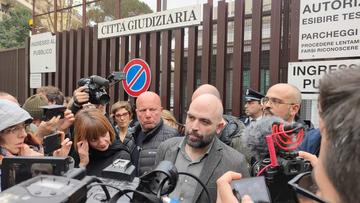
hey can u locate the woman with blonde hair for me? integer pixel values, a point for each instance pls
(170, 120)
(95, 141)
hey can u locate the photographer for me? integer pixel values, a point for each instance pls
(95, 141)
(42, 126)
(91, 91)
(13, 120)
(52, 94)
(81, 97)
(339, 160)
(92, 94)
(15, 140)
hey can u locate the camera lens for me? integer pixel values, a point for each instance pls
(104, 99)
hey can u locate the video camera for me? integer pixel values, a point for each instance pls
(58, 182)
(282, 162)
(96, 88)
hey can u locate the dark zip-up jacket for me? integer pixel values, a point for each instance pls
(98, 160)
(146, 144)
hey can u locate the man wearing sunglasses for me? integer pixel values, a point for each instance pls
(335, 172)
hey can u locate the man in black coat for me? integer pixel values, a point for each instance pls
(149, 132)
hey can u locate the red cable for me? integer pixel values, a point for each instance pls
(279, 135)
(263, 169)
(276, 137)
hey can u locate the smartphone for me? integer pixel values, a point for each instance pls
(255, 187)
(51, 111)
(51, 143)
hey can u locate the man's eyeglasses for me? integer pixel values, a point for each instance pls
(119, 115)
(304, 185)
(273, 101)
(15, 129)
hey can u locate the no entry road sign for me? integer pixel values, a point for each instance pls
(137, 77)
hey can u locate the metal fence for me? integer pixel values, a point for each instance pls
(177, 68)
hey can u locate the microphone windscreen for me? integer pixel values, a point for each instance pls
(254, 136)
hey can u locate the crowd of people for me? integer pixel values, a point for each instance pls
(210, 145)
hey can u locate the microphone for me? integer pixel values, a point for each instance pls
(254, 136)
(285, 136)
(100, 81)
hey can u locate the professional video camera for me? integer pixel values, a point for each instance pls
(62, 184)
(282, 162)
(96, 88)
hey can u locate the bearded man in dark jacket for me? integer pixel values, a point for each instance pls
(149, 133)
(233, 127)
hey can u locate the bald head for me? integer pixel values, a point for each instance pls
(210, 106)
(206, 89)
(283, 101)
(203, 121)
(291, 92)
(148, 110)
(149, 97)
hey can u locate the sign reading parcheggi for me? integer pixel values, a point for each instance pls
(329, 29)
(306, 75)
(179, 17)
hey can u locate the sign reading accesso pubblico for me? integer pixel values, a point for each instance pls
(179, 17)
(329, 29)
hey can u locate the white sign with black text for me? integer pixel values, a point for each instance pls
(35, 80)
(168, 19)
(43, 53)
(306, 75)
(329, 29)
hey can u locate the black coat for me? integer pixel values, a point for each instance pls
(99, 160)
(144, 147)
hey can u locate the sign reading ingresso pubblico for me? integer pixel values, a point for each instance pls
(329, 29)
(43, 53)
(306, 75)
(168, 19)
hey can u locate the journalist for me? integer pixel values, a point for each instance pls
(95, 141)
(339, 159)
(13, 121)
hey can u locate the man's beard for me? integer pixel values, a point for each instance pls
(267, 112)
(203, 140)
